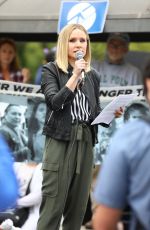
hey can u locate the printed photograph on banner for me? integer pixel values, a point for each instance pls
(133, 110)
(22, 117)
(21, 123)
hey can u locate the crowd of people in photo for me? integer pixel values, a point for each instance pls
(23, 130)
(49, 137)
(26, 143)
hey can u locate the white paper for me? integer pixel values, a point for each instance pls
(107, 114)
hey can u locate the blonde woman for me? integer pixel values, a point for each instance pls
(72, 104)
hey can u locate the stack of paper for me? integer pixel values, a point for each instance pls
(108, 113)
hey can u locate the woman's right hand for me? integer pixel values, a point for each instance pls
(76, 77)
(80, 65)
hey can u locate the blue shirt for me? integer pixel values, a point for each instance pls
(8, 181)
(125, 174)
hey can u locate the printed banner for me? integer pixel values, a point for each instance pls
(133, 110)
(7, 86)
(108, 93)
(22, 116)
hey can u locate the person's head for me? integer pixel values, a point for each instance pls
(13, 115)
(40, 111)
(38, 115)
(8, 54)
(30, 105)
(49, 54)
(135, 110)
(117, 47)
(72, 38)
(146, 81)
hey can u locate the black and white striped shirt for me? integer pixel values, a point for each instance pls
(80, 108)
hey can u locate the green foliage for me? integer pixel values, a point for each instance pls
(98, 50)
(140, 46)
(31, 55)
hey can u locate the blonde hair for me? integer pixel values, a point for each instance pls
(62, 46)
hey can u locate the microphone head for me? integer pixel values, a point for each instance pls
(79, 55)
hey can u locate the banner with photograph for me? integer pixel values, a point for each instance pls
(133, 110)
(22, 116)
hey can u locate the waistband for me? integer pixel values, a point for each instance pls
(79, 122)
(81, 133)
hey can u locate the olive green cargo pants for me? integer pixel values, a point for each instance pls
(67, 168)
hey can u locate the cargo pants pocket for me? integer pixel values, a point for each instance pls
(50, 179)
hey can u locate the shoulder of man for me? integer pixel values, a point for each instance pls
(132, 67)
(132, 130)
(7, 131)
(146, 119)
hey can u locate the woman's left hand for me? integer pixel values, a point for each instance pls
(118, 113)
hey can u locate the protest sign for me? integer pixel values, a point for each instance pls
(22, 113)
(29, 96)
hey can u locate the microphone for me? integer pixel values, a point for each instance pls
(79, 55)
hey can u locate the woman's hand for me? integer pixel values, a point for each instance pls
(26, 75)
(76, 77)
(118, 113)
(79, 66)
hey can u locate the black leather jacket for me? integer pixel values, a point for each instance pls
(59, 98)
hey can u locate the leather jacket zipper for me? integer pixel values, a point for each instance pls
(50, 117)
(52, 114)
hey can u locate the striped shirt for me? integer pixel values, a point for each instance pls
(80, 108)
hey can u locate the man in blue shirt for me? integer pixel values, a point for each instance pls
(125, 175)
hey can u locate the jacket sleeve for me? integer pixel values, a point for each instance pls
(56, 96)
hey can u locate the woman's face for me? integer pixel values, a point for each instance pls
(7, 54)
(77, 41)
(14, 115)
(41, 112)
